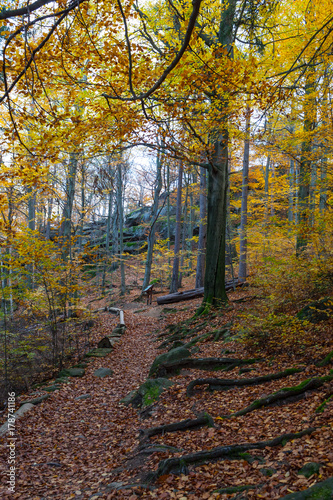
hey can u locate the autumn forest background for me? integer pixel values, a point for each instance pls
(173, 146)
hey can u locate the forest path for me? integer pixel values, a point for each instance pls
(68, 448)
(90, 449)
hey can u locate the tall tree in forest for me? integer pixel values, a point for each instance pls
(66, 224)
(175, 269)
(214, 282)
(242, 270)
(200, 273)
(121, 226)
(305, 165)
(154, 215)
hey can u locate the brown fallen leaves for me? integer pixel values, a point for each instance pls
(75, 449)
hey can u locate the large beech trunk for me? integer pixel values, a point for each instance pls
(214, 282)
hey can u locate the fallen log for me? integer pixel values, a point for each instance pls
(210, 364)
(220, 384)
(114, 310)
(192, 294)
(231, 452)
(179, 296)
(183, 425)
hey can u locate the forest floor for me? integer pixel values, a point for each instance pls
(90, 448)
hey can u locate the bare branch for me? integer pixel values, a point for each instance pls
(167, 71)
(7, 14)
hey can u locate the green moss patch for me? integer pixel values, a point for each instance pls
(98, 352)
(148, 392)
(320, 491)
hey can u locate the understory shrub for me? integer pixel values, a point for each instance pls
(277, 333)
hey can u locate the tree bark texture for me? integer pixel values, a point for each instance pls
(305, 168)
(214, 282)
(151, 235)
(242, 270)
(199, 279)
(175, 269)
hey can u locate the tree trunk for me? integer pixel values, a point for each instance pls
(68, 207)
(184, 229)
(215, 293)
(168, 212)
(31, 226)
(83, 204)
(190, 229)
(323, 185)
(121, 228)
(199, 279)
(214, 282)
(305, 168)
(312, 199)
(268, 161)
(175, 270)
(291, 191)
(108, 231)
(31, 209)
(151, 235)
(242, 270)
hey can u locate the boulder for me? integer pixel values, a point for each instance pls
(118, 331)
(147, 393)
(103, 372)
(21, 411)
(72, 372)
(62, 380)
(52, 388)
(168, 357)
(317, 311)
(309, 469)
(106, 343)
(320, 491)
(138, 216)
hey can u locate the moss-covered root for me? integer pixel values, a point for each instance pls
(284, 394)
(222, 453)
(183, 425)
(326, 361)
(201, 364)
(220, 384)
(323, 405)
(320, 491)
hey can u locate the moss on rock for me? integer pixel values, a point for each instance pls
(148, 392)
(320, 491)
(168, 357)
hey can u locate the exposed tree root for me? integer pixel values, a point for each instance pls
(179, 464)
(220, 384)
(326, 361)
(284, 394)
(181, 333)
(202, 364)
(183, 425)
(319, 491)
